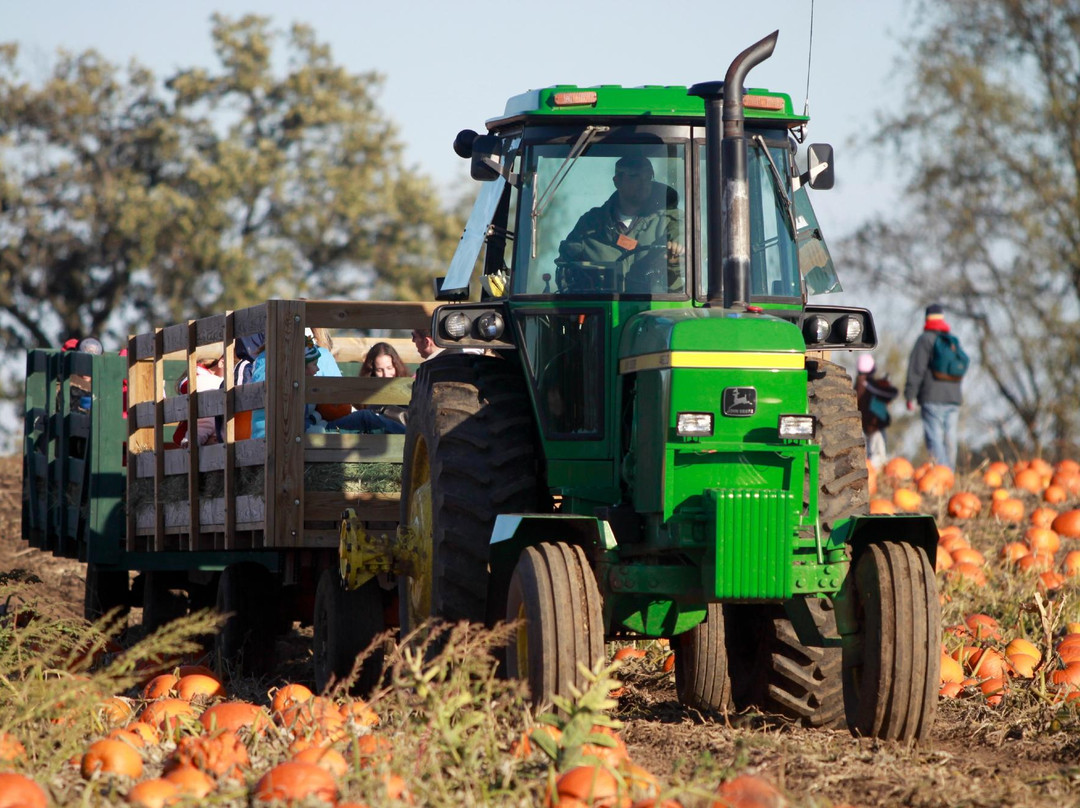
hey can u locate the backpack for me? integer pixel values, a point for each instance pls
(948, 362)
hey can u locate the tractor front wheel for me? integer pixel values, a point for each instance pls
(891, 675)
(702, 680)
(560, 624)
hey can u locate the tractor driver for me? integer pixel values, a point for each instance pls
(639, 228)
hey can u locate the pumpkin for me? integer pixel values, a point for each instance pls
(937, 481)
(329, 758)
(1042, 540)
(199, 685)
(1069, 675)
(613, 755)
(370, 750)
(1008, 510)
(294, 782)
(160, 686)
(1028, 480)
(592, 785)
(994, 689)
(1043, 516)
(222, 754)
(628, 652)
(1067, 467)
(358, 712)
(968, 554)
(907, 500)
(1055, 494)
(1068, 524)
(18, 790)
(116, 710)
(899, 469)
(288, 695)
(999, 467)
(968, 572)
(1020, 645)
(234, 715)
(1035, 562)
(110, 756)
(1050, 580)
(951, 670)
(993, 479)
(331, 412)
(950, 690)
(882, 506)
(987, 662)
(964, 505)
(168, 714)
(746, 790)
(942, 560)
(191, 781)
(1023, 665)
(132, 739)
(1070, 565)
(1014, 551)
(11, 748)
(871, 478)
(155, 793)
(983, 626)
(150, 735)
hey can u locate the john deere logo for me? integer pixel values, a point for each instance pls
(740, 402)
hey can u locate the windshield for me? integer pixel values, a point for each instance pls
(610, 220)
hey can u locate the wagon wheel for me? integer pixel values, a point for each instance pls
(162, 602)
(701, 664)
(553, 593)
(891, 676)
(346, 621)
(106, 589)
(246, 593)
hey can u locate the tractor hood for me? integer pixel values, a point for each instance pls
(699, 337)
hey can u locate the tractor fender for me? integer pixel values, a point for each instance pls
(860, 532)
(514, 532)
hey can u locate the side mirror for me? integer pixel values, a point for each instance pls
(486, 158)
(820, 173)
(463, 143)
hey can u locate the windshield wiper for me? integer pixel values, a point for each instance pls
(778, 183)
(543, 199)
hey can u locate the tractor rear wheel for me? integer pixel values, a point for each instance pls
(702, 680)
(346, 621)
(891, 677)
(800, 682)
(469, 456)
(554, 597)
(106, 589)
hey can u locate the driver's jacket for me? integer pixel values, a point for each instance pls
(596, 236)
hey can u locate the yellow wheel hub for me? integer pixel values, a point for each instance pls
(421, 526)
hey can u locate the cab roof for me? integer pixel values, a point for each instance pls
(613, 100)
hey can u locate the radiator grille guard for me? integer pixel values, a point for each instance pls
(754, 543)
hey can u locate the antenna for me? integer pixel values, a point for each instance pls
(809, 57)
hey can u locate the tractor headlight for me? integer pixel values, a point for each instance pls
(816, 329)
(490, 325)
(456, 325)
(699, 424)
(797, 427)
(852, 328)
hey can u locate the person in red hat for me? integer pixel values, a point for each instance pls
(935, 371)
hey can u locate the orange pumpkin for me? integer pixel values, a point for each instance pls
(970, 555)
(628, 652)
(943, 560)
(987, 662)
(1050, 580)
(999, 467)
(1028, 480)
(994, 689)
(1020, 645)
(1055, 494)
(1069, 675)
(1070, 565)
(150, 735)
(1068, 524)
(168, 714)
(968, 572)
(191, 781)
(329, 758)
(1023, 665)
(951, 670)
(222, 754)
(937, 481)
(1042, 540)
(871, 478)
(882, 506)
(1008, 510)
(907, 500)
(234, 715)
(370, 750)
(288, 695)
(983, 626)
(592, 785)
(993, 479)
(11, 748)
(18, 790)
(899, 469)
(199, 685)
(746, 789)
(1035, 562)
(156, 793)
(293, 782)
(160, 686)
(1067, 467)
(1043, 516)
(964, 505)
(110, 756)
(1014, 551)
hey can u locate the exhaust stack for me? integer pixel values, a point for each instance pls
(728, 195)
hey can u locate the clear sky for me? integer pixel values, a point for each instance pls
(450, 66)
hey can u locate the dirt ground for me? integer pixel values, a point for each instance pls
(975, 757)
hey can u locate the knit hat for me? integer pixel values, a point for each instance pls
(935, 318)
(865, 363)
(311, 351)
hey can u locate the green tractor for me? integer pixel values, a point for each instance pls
(635, 432)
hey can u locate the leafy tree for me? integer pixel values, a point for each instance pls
(126, 204)
(989, 141)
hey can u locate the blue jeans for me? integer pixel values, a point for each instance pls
(939, 429)
(368, 421)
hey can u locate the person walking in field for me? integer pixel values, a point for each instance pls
(935, 372)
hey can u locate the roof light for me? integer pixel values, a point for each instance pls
(575, 99)
(764, 102)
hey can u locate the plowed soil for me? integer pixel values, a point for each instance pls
(976, 756)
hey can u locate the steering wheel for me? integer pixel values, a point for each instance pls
(647, 274)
